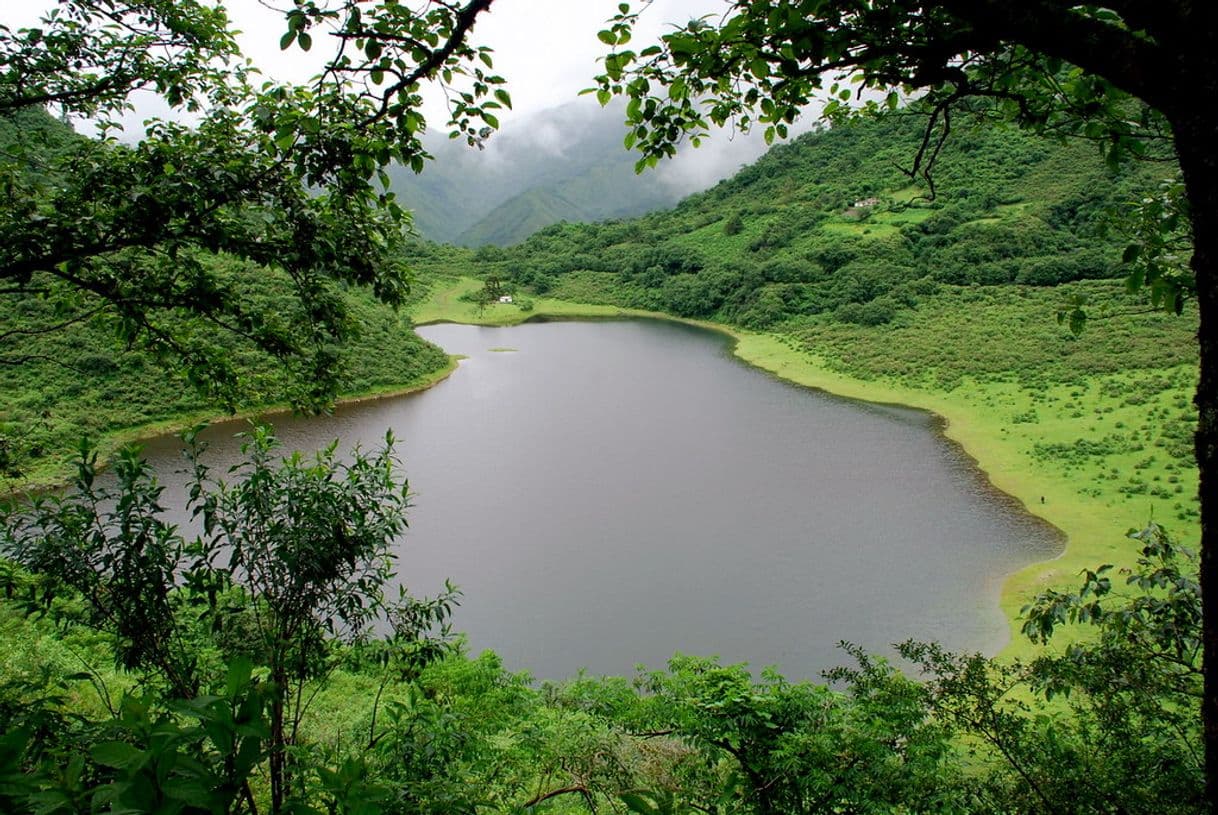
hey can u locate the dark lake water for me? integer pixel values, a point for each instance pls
(609, 493)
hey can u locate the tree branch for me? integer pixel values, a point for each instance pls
(574, 788)
(465, 19)
(1134, 64)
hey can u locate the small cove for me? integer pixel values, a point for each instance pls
(612, 492)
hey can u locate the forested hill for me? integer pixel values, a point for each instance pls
(829, 227)
(63, 378)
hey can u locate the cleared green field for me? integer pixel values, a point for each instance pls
(443, 304)
(872, 228)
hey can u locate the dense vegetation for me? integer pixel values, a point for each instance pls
(70, 372)
(132, 681)
(830, 226)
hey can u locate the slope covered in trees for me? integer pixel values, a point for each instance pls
(67, 374)
(831, 228)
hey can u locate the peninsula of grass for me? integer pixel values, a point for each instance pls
(444, 303)
(1095, 450)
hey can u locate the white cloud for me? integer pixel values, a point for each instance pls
(547, 49)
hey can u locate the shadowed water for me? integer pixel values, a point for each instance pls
(609, 493)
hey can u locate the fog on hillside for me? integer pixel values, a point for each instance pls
(562, 164)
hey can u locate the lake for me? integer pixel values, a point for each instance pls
(608, 493)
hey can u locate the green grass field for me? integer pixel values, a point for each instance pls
(443, 304)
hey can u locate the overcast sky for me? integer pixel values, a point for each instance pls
(546, 49)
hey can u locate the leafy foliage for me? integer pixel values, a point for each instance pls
(290, 562)
(283, 177)
(1130, 740)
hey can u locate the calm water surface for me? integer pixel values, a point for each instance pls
(608, 493)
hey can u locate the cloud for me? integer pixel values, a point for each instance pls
(547, 49)
(718, 157)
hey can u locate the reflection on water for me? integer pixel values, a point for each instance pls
(611, 493)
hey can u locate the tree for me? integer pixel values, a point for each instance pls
(283, 177)
(1125, 73)
(802, 748)
(292, 561)
(1128, 743)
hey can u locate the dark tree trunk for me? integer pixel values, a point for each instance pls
(1196, 135)
(278, 752)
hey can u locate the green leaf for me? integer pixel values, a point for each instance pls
(194, 793)
(239, 671)
(285, 42)
(117, 754)
(607, 37)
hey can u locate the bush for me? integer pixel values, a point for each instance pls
(876, 312)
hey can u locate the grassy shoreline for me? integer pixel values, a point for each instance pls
(107, 445)
(1093, 527)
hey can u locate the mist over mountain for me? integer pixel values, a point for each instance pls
(562, 164)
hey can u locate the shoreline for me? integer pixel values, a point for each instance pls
(112, 442)
(1086, 541)
(1090, 534)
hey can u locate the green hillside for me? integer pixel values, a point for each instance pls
(67, 374)
(605, 191)
(522, 215)
(784, 240)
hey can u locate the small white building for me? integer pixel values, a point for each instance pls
(507, 298)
